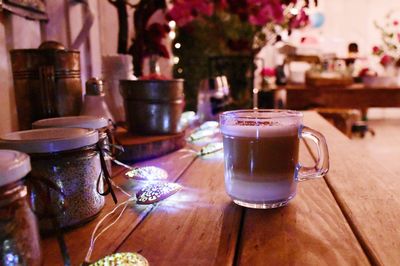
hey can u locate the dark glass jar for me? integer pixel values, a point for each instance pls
(19, 237)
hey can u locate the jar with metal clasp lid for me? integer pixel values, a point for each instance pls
(19, 237)
(101, 124)
(66, 181)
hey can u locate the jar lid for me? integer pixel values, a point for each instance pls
(49, 139)
(14, 165)
(85, 121)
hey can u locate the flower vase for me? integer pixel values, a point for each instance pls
(239, 70)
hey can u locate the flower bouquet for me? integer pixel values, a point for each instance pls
(388, 53)
(207, 30)
(389, 50)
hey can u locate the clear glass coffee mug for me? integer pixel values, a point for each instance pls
(261, 150)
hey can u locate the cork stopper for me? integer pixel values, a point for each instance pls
(94, 86)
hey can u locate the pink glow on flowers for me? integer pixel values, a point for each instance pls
(184, 11)
(300, 20)
(265, 11)
(386, 60)
(268, 72)
(376, 50)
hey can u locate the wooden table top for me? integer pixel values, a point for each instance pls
(355, 86)
(358, 96)
(350, 217)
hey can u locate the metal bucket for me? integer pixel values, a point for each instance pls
(153, 107)
(47, 83)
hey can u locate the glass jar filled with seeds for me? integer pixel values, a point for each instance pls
(101, 124)
(66, 180)
(19, 237)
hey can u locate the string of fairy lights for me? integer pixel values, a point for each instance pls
(156, 189)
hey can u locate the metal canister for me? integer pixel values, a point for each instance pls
(153, 107)
(47, 82)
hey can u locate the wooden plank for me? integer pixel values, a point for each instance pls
(8, 112)
(57, 28)
(138, 148)
(198, 226)
(108, 20)
(78, 239)
(76, 12)
(366, 192)
(305, 98)
(94, 42)
(380, 147)
(310, 230)
(23, 33)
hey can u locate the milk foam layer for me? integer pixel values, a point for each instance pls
(261, 192)
(268, 130)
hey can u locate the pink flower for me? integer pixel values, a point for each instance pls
(267, 72)
(184, 11)
(376, 50)
(221, 4)
(180, 13)
(386, 60)
(300, 20)
(264, 11)
(395, 22)
(367, 72)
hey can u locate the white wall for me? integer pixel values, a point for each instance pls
(353, 21)
(65, 21)
(346, 21)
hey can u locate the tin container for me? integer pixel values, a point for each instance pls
(47, 82)
(19, 236)
(66, 173)
(153, 107)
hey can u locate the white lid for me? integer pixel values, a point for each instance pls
(49, 139)
(14, 165)
(85, 121)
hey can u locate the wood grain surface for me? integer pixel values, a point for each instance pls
(357, 97)
(78, 239)
(310, 230)
(366, 192)
(349, 218)
(139, 148)
(198, 227)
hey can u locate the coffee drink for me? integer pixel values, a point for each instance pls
(261, 154)
(260, 168)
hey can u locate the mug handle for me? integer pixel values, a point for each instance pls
(321, 166)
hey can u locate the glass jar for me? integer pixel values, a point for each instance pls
(65, 180)
(19, 237)
(100, 124)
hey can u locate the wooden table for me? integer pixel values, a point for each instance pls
(350, 217)
(300, 97)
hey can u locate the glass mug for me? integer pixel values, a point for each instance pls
(261, 150)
